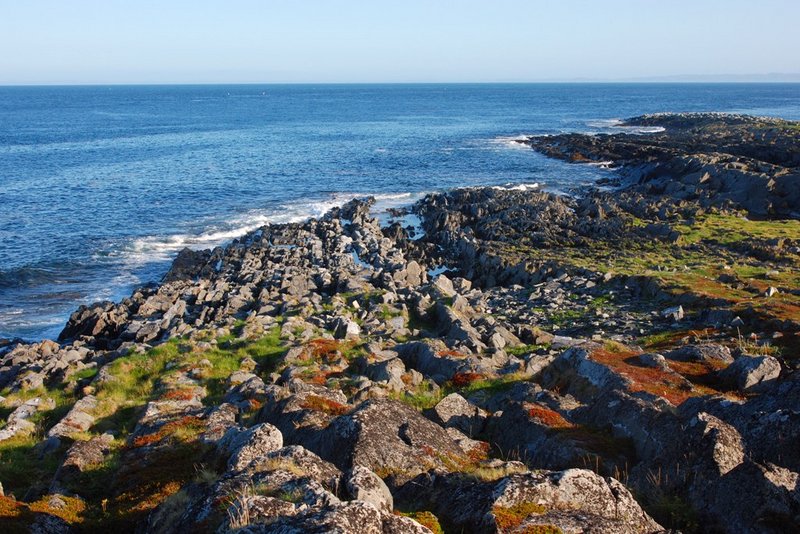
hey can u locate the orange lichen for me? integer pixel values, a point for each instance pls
(187, 424)
(325, 349)
(461, 380)
(449, 353)
(183, 394)
(10, 508)
(479, 452)
(547, 417)
(656, 381)
(321, 404)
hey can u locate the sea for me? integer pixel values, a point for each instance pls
(101, 186)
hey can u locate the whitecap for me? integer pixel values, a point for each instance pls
(518, 187)
(618, 126)
(510, 141)
(162, 248)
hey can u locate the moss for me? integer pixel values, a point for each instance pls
(492, 386)
(732, 229)
(509, 518)
(521, 350)
(426, 519)
(85, 374)
(70, 509)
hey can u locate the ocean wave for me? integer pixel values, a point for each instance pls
(510, 141)
(518, 187)
(162, 248)
(617, 126)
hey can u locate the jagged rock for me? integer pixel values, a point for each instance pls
(702, 353)
(675, 313)
(444, 286)
(354, 517)
(389, 371)
(429, 358)
(388, 438)
(564, 499)
(252, 444)
(346, 328)
(219, 422)
(656, 361)
(455, 411)
(748, 373)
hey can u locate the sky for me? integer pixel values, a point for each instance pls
(342, 41)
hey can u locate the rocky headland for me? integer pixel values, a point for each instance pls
(618, 360)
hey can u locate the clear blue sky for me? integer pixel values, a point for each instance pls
(185, 41)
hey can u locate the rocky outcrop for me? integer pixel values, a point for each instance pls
(518, 362)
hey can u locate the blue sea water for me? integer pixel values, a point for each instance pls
(101, 186)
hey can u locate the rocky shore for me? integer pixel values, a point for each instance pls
(619, 360)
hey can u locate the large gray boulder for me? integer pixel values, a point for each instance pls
(389, 438)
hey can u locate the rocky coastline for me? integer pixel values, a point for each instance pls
(620, 360)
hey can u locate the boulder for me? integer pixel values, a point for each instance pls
(389, 438)
(364, 485)
(78, 419)
(749, 373)
(709, 352)
(456, 412)
(252, 444)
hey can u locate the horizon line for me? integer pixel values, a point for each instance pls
(647, 81)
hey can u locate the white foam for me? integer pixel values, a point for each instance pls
(510, 141)
(518, 187)
(436, 271)
(152, 249)
(617, 126)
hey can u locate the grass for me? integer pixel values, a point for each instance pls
(135, 379)
(423, 397)
(729, 230)
(521, 350)
(693, 265)
(21, 469)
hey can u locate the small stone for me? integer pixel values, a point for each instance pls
(771, 291)
(675, 313)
